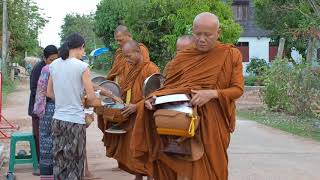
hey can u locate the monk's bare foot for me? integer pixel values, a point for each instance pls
(139, 177)
(149, 178)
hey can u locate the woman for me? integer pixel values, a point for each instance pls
(44, 108)
(69, 77)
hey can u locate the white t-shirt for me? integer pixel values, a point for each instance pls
(68, 89)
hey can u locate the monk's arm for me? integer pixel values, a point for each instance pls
(236, 87)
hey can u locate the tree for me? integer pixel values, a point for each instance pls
(297, 21)
(25, 22)
(84, 25)
(158, 23)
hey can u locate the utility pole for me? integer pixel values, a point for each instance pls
(3, 63)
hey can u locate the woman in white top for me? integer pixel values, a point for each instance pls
(69, 77)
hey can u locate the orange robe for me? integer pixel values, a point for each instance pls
(118, 146)
(120, 67)
(119, 72)
(220, 69)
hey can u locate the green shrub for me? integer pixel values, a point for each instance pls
(250, 80)
(301, 88)
(275, 93)
(291, 89)
(257, 67)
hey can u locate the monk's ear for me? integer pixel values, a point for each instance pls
(219, 31)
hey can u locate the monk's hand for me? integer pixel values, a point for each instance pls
(149, 103)
(130, 109)
(201, 97)
(109, 94)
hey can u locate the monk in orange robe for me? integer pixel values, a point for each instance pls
(118, 73)
(118, 145)
(120, 67)
(183, 42)
(212, 73)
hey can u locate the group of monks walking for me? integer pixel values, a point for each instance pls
(206, 69)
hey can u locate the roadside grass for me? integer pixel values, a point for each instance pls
(304, 126)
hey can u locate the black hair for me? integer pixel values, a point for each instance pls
(74, 41)
(50, 50)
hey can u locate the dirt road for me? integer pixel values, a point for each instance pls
(256, 152)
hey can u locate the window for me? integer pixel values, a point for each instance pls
(243, 44)
(244, 49)
(241, 10)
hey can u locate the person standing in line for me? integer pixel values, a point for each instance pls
(44, 108)
(69, 77)
(52, 53)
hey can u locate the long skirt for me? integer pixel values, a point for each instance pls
(69, 150)
(46, 158)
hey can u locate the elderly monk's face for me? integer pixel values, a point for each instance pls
(132, 55)
(205, 34)
(122, 38)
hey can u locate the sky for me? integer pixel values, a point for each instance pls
(57, 10)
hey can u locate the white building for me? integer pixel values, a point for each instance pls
(254, 41)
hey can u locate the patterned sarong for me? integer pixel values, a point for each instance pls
(46, 159)
(69, 150)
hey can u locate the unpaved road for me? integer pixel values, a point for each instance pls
(256, 152)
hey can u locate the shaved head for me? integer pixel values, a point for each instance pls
(184, 42)
(122, 29)
(208, 17)
(122, 35)
(132, 52)
(132, 45)
(205, 31)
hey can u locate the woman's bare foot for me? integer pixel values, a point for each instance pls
(89, 176)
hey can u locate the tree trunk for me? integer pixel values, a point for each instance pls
(311, 49)
(281, 48)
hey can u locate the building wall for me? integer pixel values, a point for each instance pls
(258, 47)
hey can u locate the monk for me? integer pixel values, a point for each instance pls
(120, 67)
(212, 73)
(183, 42)
(118, 145)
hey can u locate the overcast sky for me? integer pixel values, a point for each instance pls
(57, 10)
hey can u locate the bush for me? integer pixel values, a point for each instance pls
(292, 89)
(257, 67)
(250, 80)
